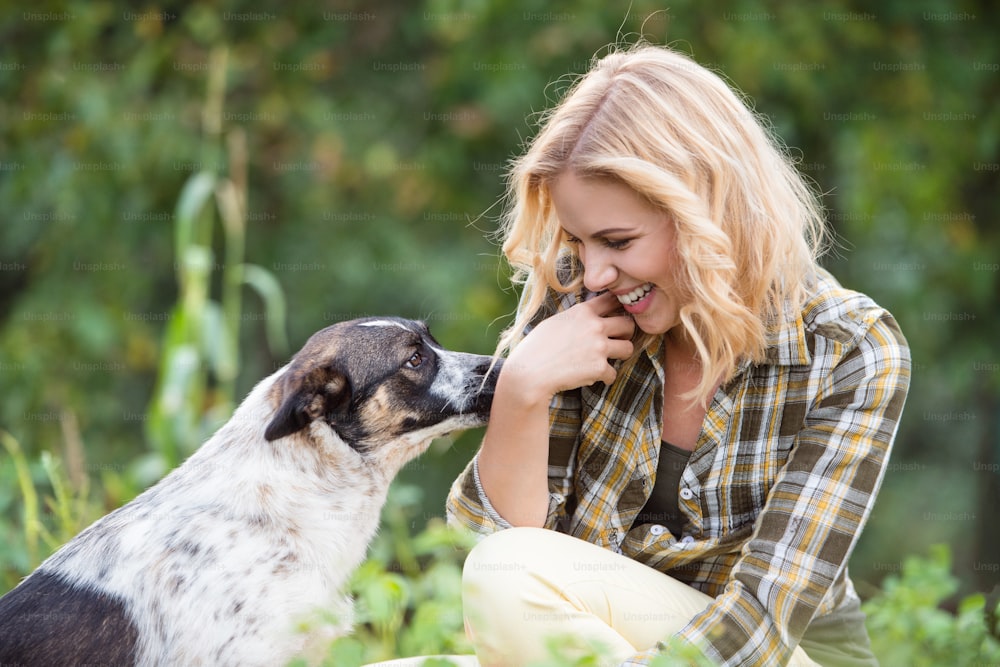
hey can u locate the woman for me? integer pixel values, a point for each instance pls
(693, 419)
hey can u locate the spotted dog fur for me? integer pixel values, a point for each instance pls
(261, 527)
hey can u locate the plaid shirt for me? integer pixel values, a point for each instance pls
(789, 460)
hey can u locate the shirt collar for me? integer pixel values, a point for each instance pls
(785, 345)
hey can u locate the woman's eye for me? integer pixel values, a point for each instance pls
(416, 361)
(616, 244)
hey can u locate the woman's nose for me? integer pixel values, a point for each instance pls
(599, 272)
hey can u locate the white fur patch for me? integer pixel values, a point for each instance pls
(384, 323)
(451, 382)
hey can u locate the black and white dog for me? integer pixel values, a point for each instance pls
(222, 560)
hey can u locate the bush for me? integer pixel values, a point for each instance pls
(909, 627)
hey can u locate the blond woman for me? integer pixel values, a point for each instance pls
(693, 418)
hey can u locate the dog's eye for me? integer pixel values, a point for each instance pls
(416, 361)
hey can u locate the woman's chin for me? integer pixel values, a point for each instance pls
(648, 323)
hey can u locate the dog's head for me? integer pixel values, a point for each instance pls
(376, 381)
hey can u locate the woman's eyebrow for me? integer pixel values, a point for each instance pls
(604, 233)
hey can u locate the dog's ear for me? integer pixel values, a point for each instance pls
(318, 394)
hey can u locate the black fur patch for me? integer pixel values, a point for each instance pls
(46, 621)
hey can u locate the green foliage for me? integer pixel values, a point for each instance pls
(32, 524)
(908, 625)
(200, 359)
(408, 594)
(195, 390)
(573, 651)
(680, 654)
(48, 520)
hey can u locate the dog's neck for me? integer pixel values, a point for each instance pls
(294, 488)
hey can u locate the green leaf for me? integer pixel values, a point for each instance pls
(346, 652)
(32, 524)
(217, 336)
(386, 599)
(197, 191)
(194, 268)
(182, 365)
(269, 289)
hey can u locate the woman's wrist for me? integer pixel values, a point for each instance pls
(521, 389)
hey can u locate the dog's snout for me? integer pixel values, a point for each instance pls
(488, 370)
(484, 376)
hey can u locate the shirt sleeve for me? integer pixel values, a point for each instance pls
(815, 510)
(468, 505)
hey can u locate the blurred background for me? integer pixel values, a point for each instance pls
(189, 190)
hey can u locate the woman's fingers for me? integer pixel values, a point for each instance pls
(607, 307)
(603, 304)
(574, 348)
(619, 327)
(620, 349)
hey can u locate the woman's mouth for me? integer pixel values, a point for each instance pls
(636, 300)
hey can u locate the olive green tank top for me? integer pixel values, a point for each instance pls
(663, 506)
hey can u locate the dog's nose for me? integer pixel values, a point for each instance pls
(489, 370)
(484, 366)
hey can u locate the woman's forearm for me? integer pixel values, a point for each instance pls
(568, 350)
(513, 460)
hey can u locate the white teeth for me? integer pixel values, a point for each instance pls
(636, 294)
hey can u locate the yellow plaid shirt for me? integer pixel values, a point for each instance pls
(784, 475)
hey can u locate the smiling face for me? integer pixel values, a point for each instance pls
(626, 246)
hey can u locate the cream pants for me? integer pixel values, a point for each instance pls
(523, 585)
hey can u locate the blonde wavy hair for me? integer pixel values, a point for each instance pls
(749, 229)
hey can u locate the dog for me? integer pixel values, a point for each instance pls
(260, 528)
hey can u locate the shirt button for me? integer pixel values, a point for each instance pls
(657, 530)
(687, 539)
(687, 494)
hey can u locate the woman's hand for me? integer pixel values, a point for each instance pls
(568, 350)
(571, 349)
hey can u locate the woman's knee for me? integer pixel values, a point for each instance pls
(500, 559)
(520, 589)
